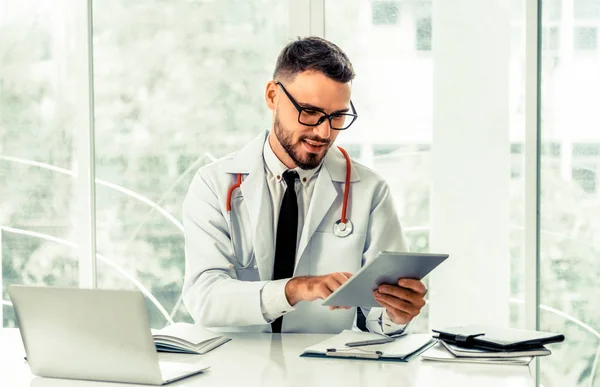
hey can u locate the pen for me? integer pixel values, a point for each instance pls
(383, 340)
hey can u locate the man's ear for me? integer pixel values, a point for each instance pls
(271, 95)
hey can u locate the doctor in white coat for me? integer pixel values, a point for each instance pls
(250, 265)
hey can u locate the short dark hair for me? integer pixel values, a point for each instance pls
(316, 54)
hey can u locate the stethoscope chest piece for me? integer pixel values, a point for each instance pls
(341, 229)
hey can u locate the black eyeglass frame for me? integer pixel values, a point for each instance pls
(329, 117)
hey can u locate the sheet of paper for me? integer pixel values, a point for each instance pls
(439, 353)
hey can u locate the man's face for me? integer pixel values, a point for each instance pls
(306, 145)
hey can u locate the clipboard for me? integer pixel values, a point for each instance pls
(402, 349)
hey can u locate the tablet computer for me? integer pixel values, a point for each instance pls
(386, 268)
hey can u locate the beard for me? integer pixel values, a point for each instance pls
(311, 160)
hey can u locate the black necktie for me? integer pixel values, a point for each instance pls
(287, 230)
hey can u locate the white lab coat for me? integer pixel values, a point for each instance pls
(217, 295)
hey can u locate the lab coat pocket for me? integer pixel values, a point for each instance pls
(330, 253)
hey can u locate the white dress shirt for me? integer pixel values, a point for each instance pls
(273, 300)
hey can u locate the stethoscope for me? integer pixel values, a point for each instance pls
(341, 228)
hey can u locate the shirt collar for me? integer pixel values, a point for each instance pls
(276, 167)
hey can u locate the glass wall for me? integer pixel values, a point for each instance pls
(570, 190)
(177, 85)
(38, 190)
(407, 131)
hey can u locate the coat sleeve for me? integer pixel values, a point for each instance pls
(384, 233)
(212, 293)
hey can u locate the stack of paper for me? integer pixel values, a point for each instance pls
(187, 338)
(443, 351)
(491, 344)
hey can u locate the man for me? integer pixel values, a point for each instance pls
(260, 255)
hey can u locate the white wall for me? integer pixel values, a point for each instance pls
(470, 162)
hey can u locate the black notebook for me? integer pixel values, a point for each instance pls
(497, 339)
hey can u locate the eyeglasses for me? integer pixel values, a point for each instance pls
(313, 116)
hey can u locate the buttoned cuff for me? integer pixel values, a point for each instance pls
(389, 327)
(273, 302)
(378, 321)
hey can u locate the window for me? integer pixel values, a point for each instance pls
(424, 34)
(551, 149)
(569, 253)
(177, 84)
(586, 149)
(585, 38)
(384, 12)
(552, 9)
(586, 177)
(400, 102)
(586, 9)
(550, 39)
(40, 196)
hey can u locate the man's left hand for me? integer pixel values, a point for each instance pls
(402, 301)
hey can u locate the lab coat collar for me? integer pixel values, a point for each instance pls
(335, 163)
(245, 160)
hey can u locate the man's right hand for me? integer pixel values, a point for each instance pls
(313, 288)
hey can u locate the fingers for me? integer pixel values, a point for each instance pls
(417, 299)
(398, 304)
(321, 287)
(324, 289)
(326, 285)
(334, 281)
(414, 285)
(339, 307)
(341, 278)
(397, 316)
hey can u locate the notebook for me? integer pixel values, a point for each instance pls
(439, 353)
(186, 338)
(497, 339)
(403, 348)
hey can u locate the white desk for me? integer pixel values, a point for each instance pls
(272, 360)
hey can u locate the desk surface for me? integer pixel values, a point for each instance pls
(258, 359)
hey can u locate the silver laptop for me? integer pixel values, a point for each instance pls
(91, 334)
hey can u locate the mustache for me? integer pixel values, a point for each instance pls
(316, 139)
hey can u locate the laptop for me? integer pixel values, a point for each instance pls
(92, 334)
